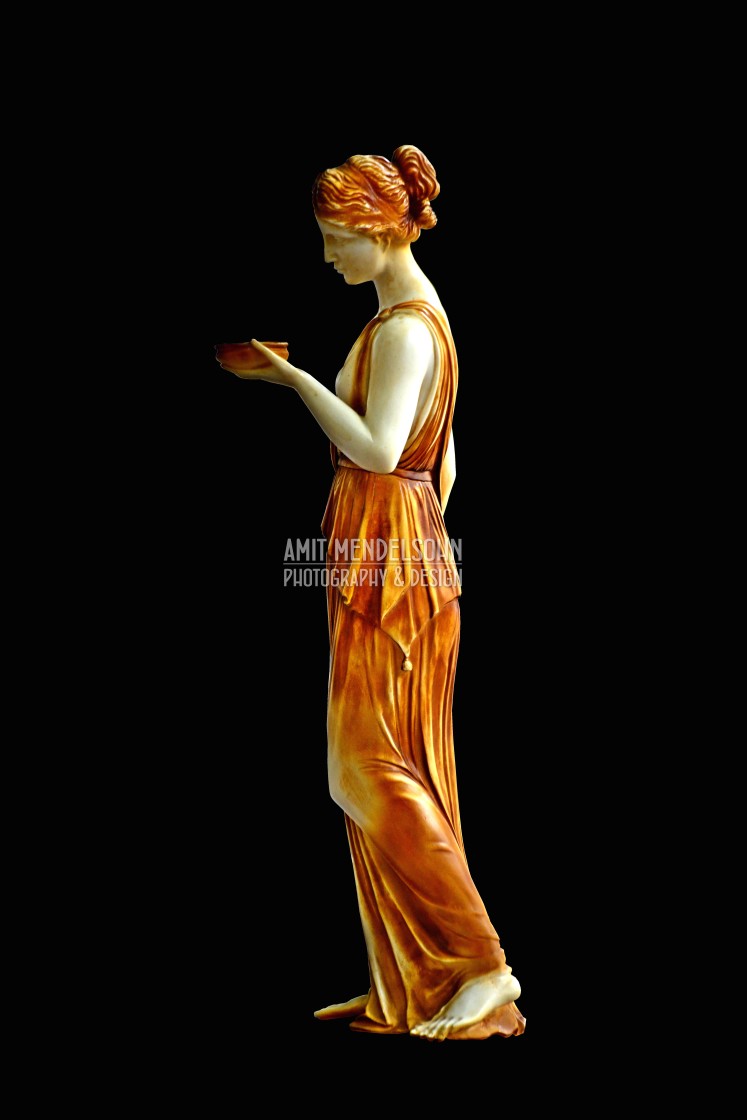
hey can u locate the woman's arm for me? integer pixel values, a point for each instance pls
(448, 472)
(401, 358)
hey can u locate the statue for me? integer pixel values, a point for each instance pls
(436, 965)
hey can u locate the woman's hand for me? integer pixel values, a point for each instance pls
(255, 362)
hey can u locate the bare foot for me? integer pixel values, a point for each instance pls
(474, 1001)
(348, 1010)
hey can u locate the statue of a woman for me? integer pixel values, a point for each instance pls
(436, 965)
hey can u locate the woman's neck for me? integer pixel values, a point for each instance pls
(402, 279)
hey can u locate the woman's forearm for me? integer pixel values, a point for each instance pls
(339, 422)
(344, 426)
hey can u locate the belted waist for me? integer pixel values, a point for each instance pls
(400, 472)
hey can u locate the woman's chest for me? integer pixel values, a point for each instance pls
(346, 386)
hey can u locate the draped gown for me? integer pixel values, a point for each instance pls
(394, 623)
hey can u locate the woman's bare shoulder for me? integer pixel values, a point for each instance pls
(404, 325)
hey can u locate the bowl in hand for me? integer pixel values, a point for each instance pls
(242, 358)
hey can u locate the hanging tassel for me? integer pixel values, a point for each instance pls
(407, 664)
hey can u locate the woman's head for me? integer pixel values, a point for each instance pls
(387, 200)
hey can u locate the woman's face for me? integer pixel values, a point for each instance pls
(358, 258)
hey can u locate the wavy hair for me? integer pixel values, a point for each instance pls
(385, 199)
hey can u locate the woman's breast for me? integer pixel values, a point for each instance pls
(345, 387)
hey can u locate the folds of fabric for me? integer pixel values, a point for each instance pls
(388, 552)
(392, 770)
(390, 732)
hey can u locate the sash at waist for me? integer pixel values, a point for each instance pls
(400, 472)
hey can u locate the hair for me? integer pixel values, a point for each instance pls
(388, 200)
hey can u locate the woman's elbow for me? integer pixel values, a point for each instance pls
(386, 464)
(382, 459)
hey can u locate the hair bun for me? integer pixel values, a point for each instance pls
(422, 213)
(419, 176)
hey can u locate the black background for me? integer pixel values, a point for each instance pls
(253, 874)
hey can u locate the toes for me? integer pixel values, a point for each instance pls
(444, 1027)
(436, 1029)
